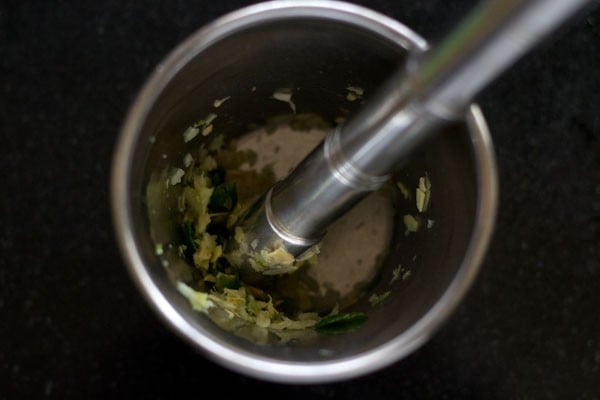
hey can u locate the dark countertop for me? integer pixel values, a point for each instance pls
(72, 323)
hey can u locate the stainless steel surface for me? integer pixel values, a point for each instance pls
(432, 89)
(320, 47)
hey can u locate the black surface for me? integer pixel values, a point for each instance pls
(72, 324)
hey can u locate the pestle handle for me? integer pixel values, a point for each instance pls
(433, 88)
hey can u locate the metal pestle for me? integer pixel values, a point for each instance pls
(432, 89)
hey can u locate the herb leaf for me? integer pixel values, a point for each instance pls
(341, 323)
(188, 235)
(223, 198)
(189, 239)
(226, 281)
(216, 176)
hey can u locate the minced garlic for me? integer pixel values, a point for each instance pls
(188, 160)
(242, 304)
(285, 95)
(219, 102)
(423, 193)
(411, 223)
(176, 176)
(376, 299)
(403, 190)
(190, 133)
(206, 130)
(354, 93)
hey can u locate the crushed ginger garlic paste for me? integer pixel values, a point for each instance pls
(210, 188)
(207, 209)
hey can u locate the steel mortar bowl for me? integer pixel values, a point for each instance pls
(319, 48)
